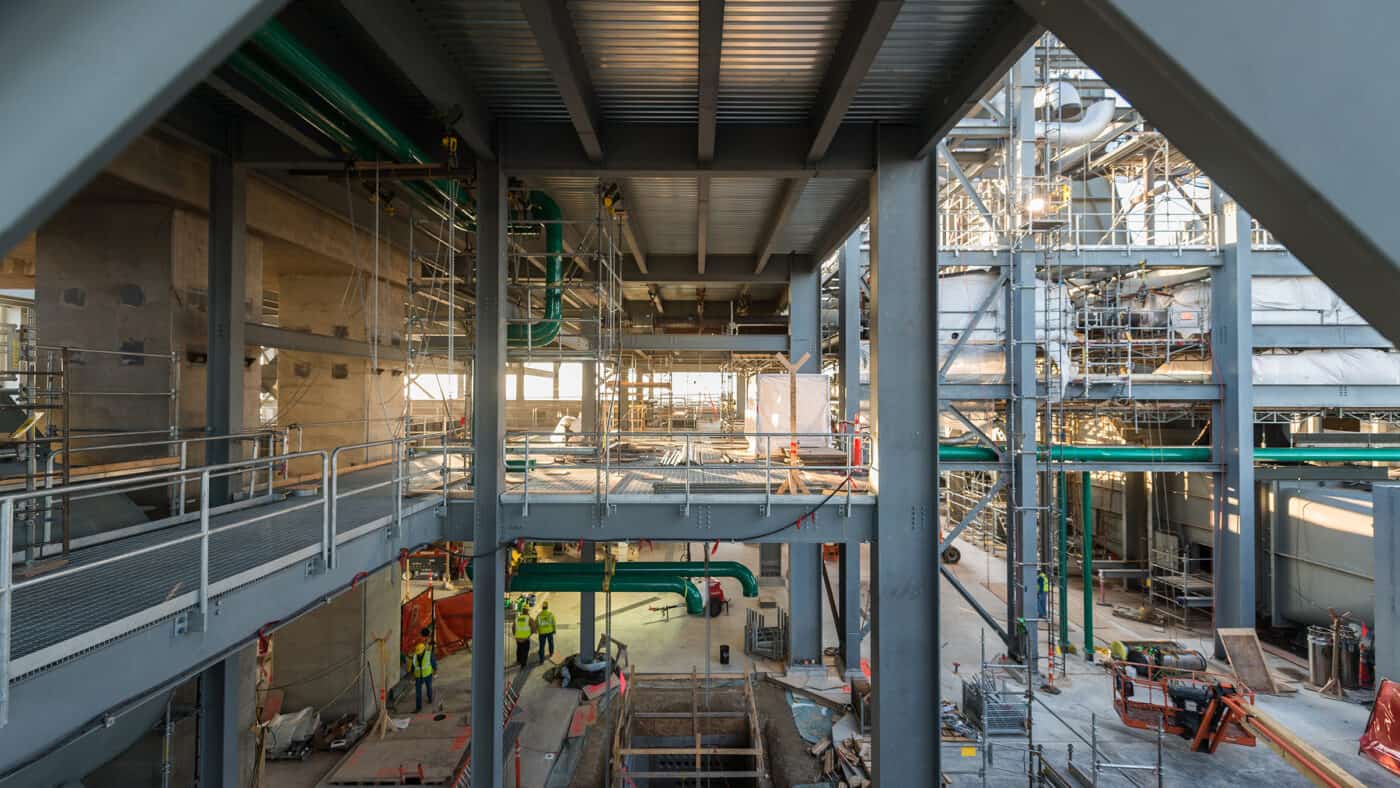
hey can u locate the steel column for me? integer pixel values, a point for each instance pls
(588, 409)
(1023, 499)
(488, 433)
(848, 338)
(223, 396)
(804, 604)
(1232, 422)
(587, 608)
(904, 394)
(1386, 504)
(848, 597)
(218, 729)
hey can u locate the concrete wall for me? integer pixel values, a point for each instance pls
(319, 657)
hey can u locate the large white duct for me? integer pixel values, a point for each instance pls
(1275, 300)
(1355, 367)
(1094, 121)
(1060, 100)
(981, 359)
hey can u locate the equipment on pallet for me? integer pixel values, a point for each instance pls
(1166, 654)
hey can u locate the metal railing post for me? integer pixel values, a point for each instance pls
(767, 473)
(252, 472)
(400, 447)
(525, 507)
(330, 490)
(686, 460)
(7, 535)
(203, 550)
(446, 468)
(180, 480)
(271, 459)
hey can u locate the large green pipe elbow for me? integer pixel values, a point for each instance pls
(544, 209)
(691, 569)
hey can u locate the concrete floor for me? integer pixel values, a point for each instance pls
(678, 644)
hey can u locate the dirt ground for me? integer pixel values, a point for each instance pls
(789, 763)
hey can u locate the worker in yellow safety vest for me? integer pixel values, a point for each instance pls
(544, 623)
(524, 626)
(421, 664)
(1042, 591)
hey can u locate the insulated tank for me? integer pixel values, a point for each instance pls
(1322, 553)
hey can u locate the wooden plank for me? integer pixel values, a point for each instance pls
(1299, 754)
(1247, 659)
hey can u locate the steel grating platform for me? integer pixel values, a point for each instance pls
(52, 612)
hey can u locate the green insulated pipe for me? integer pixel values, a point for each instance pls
(277, 43)
(1086, 481)
(1063, 453)
(691, 569)
(542, 332)
(1064, 559)
(525, 580)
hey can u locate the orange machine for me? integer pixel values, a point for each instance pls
(1204, 708)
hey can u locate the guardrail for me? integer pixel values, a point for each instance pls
(692, 453)
(327, 501)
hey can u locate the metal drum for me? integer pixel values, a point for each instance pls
(1319, 655)
(1351, 660)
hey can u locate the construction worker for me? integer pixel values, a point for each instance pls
(422, 664)
(544, 623)
(523, 627)
(1042, 592)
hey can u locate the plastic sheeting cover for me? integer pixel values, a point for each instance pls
(1359, 367)
(1275, 300)
(1381, 740)
(769, 410)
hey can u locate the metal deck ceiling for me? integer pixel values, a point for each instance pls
(643, 57)
(774, 56)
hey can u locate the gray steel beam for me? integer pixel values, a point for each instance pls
(398, 28)
(787, 201)
(1165, 392)
(1232, 424)
(903, 365)
(719, 269)
(1092, 258)
(287, 339)
(1306, 336)
(228, 232)
(1326, 396)
(1386, 504)
(805, 560)
(1217, 91)
(848, 332)
(1023, 485)
(711, 45)
(738, 343)
(587, 608)
(588, 409)
(118, 67)
(743, 518)
(218, 730)
(644, 150)
(702, 222)
(849, 219)
(558, 42)
(867, 23)
(804, 604)
(848, 598)
(1009, 38)
(632, 232)
(488, 470)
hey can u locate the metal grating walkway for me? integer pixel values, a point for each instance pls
(49, 613)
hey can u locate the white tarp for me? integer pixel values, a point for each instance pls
(960, 295)
(1276, 300)
(1308, 368)
(769, 410)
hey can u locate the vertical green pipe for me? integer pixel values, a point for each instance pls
(1086, 481)
(1063, 498)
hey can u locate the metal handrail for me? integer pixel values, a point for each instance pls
(7, 519)
(518, 442)
(399, 445)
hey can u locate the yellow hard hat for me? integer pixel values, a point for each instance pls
(420, 648)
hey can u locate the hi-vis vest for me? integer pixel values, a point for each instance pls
(545, 620)
(423, 664)
(522, 626)
(1042, 582)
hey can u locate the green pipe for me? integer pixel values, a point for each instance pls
(1064, 453)
(286, 95)
(526, 580)
(1086, 481)
(542, 332)
(1064, 559)
(690, 569)
(278, 43)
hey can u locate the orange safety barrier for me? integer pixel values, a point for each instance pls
(453, 616)
(414, 616)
